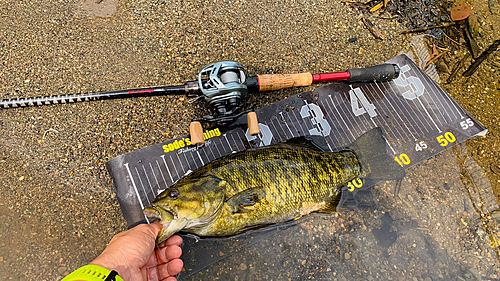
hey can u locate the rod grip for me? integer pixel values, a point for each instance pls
(274, 82)
(378, 73)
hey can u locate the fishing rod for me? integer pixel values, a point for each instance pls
(223, 85)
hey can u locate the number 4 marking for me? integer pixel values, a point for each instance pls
(357, 95)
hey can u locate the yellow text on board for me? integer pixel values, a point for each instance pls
(177, 144)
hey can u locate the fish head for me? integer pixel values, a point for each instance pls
(191, 203)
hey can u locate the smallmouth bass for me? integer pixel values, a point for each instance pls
(268, 185)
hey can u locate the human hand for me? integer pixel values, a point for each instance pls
(134, 255)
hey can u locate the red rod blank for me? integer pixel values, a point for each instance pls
(330, 77)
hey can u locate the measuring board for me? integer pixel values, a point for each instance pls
(418, 119)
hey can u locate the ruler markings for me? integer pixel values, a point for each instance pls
(195, 158)
(149, 182)
(168, 170)
(389, 95)
(154, 176)
(230, 147)
(279, 124)
(384, 109)
(353, 137)
(318, 127)
(450, 102)
(134, 185)
(189, 163)
(175, 168)
(201, 159)
(429, 115)
(159, 169)
(336, 142)
(216, 148)
(304, 132)
(183, 170)
(211, 151)
(392, 113)
(284, 120)
(418, 114)
(429, 95)
(203, 149)
(356, 118)
(242, 140)
(293, 124)
(142, 184)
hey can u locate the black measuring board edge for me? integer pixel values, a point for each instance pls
(415, 114)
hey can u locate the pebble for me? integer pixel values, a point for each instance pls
(242, 266)
(347, 256)
(62, 269)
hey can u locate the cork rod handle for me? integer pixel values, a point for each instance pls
(274, 82)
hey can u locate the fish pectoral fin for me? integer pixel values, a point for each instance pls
(246, 200)
(331, 206)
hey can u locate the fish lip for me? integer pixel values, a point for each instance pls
(156, 213)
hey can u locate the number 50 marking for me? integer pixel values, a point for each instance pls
(446, 139)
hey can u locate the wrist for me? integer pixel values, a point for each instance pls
(110, 264)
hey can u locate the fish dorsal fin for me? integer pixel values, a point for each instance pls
(245, 200)
(308, 142)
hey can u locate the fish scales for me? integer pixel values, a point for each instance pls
(292, 179)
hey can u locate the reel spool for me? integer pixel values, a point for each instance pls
(223, 85)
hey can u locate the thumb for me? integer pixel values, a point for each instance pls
(155, 228)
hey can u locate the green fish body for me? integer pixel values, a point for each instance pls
(268, 185)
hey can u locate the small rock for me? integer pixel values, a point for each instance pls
(347, 256)
(304, 262)
(1, 259)
(62, 269)
(242, 266)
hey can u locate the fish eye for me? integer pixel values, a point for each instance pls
(173, 194)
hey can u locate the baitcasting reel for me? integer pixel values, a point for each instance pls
(223, 85)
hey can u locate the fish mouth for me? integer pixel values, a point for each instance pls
(169, 220)
(160, 214)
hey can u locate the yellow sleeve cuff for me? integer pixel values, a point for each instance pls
(92, 273)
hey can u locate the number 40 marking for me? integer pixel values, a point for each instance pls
(356, 96)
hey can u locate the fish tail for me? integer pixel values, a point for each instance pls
(371, 150)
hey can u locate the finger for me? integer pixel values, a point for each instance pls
(153, 261)
(174, 240)
(170, 269)
(168, 253)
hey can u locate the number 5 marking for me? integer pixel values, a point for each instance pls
(416, 86)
